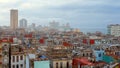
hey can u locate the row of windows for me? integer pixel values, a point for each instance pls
(117, 53)
(114, 53)
(17, 58)
(61, 65)
(17, 66)
(87, 54)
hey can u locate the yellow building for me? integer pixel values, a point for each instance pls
(4, 54)
(62, 63)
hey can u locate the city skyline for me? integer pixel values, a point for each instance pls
(88, 15)
(59, 34)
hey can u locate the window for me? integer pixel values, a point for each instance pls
(83, 55)
(67, 64)
(21, 65)
(13, 58)
(50, 65)
(17, 58)
(17, 66)
(61, 65)
(99, 55)
(13, 66)
(90, 54)
(56, 65)
(21, 57)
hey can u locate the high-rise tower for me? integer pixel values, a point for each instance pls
(114, 29)
(14, 19)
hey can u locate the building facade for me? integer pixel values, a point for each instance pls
(17, 56)
(18, 60)
(99, 54)
(4, 57)
(13, 19)
(62, 63)
(114, 29)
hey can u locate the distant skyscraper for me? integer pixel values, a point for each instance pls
(23, 23)
(114, 30)
(54, 25)
(14, 19)
(33, 25)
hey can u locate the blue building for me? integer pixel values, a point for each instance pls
(42, 64)
(99, 54)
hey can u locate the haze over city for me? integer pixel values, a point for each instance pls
(59, 34)
(88, 15)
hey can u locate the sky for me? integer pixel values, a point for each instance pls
(87, 15)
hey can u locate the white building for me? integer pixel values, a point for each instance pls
(114, 30)
(17, 57)
(18, 61)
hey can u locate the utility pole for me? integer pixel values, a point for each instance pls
(10, 55)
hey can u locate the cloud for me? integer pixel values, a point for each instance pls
(45, 3)
(26, 6)
(79, 13)
(8, 1)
